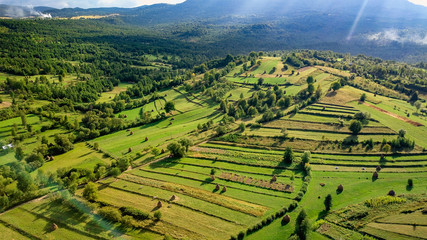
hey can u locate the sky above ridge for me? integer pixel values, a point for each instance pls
(109, 3)
(86, 3)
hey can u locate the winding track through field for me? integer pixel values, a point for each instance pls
(416, 124)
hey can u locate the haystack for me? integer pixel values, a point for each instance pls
(159, 204)
(286, 219)
(173, 198)
(54, 227)
(130, 150)
(224, 189)
(274, 178)
(378, 168)
(340, 188)
(375, 175)
(217, 187)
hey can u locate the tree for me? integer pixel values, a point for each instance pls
(328, 202)
(386, 148)
(169, 106)
(267, 116)
(302, 225)
(23, 119)
(186, 143)
(221, 130)
(260, 81)
(252, 111)
(363, 97)
(25, 181)
(123, 163)
(63, 143)
(402, 133)
(115, 172)
(335, 85)
(310, 88)
(90, 192)
(306, 156)
(176, 149)
(288, 156)
(242, 127)
(355, 127)
(19, 153)
(310, 79)
(223, 106)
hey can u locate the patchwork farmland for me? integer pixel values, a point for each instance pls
(204, 171)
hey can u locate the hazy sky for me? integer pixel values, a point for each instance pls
(87, 3)
(108, 3)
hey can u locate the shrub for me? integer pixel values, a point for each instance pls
(328, 202)
(355, 127)
(410, 183)
(135, 213)
(292, 206)
(288, 156)
(128, 221)
(383, 201)
(241, 235)
(299, 196)
(306, 156)
(158, 215)
(91, 192)
(317, 224)
(110, 213)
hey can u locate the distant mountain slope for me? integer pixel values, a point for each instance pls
(391, 29)
(205, 9)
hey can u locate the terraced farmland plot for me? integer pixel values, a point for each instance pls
(318, 135)
(215, 213)
(35, 220)
(321, 127)
(158, 133)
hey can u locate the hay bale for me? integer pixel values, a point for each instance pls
(322, 184)
(173, 198)
(286, 219)
(130, 150)
(217, 187)
(159, 204)
(340, 188)
(212, 177)
(224, 189)
(391, 193)
(274, 178)
(146, 138)
(54, 227)
(375, 175)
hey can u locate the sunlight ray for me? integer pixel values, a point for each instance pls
(356, 21)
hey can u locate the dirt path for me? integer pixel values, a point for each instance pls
(417, 124)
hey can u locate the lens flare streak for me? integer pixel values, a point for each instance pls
(356, 21)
